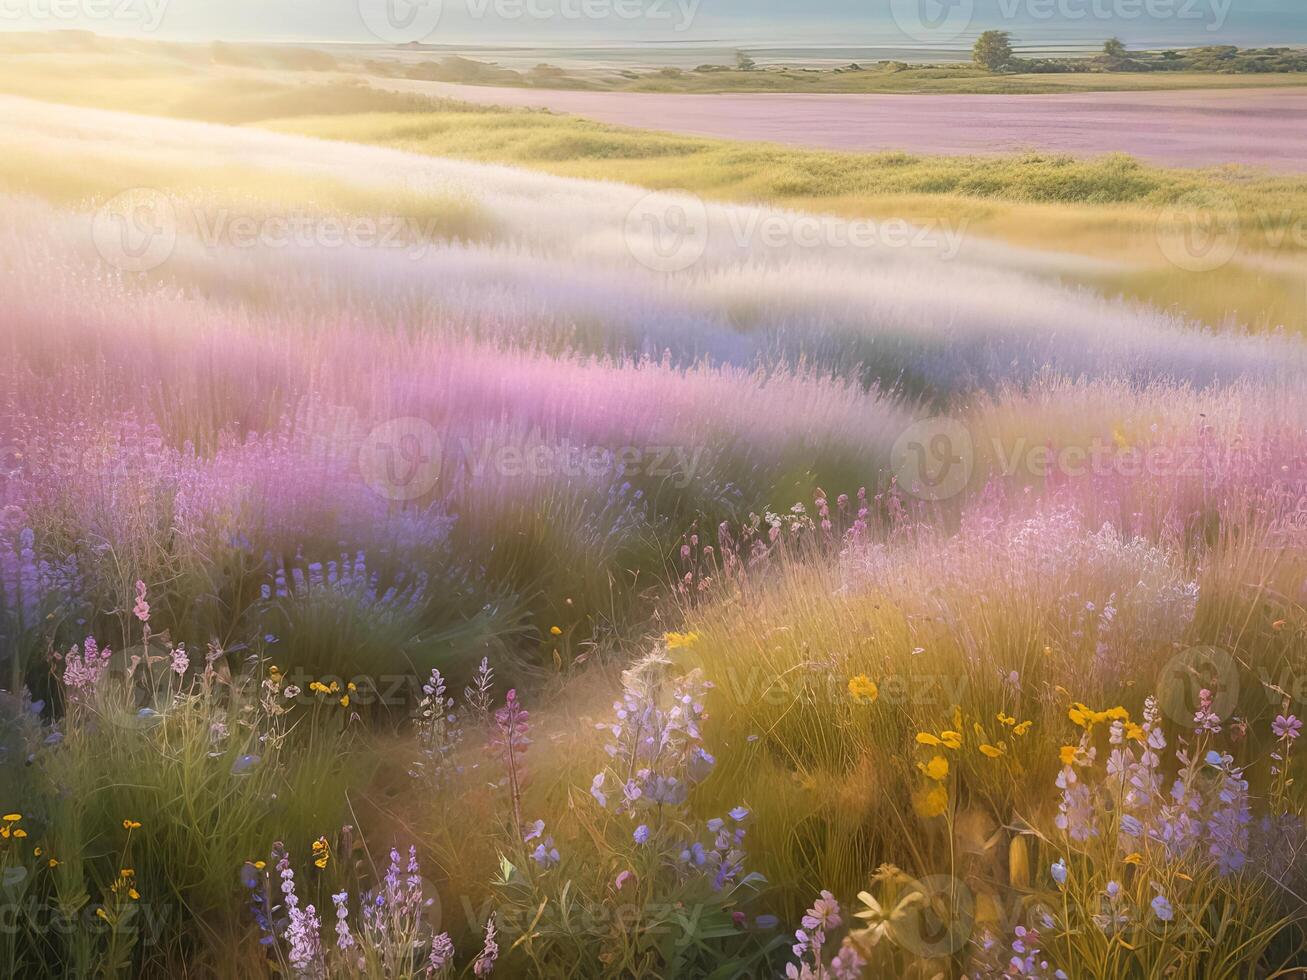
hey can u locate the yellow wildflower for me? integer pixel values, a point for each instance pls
(925, 738)
(1068, 754)
(555, 631)
(260, 864)
(1022, 728)
(1006, 719)
(930, 802)
(936, 768)
(53, 863)
(951, 740)
(20, 833)
(321, 852)
(680, 641)
(1133, 731)
(344, 701)
(994, 751)
(131, 825)
(4, 832)
(863, 689)
(1133, 858)
(12, 817)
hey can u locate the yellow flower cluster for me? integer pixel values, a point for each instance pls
(333, 689)
(680, 641)
(863, 689)
(1087, 717)
(321, 852)
(931, 799)
(10, 829)
(126, 884)
(948, 739)
(998, 748)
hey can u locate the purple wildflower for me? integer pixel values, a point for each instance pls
(442, 954)
(485, 961)
(1286, 727)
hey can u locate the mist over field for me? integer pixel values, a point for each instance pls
(624, 510)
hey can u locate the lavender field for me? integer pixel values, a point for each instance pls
(415, 567)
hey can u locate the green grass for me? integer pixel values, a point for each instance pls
(943, 80)
(1111, 208)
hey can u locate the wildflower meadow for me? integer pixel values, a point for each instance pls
(413, 567)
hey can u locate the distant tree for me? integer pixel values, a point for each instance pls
(743, 62)
(993, 50)
(1114, 47)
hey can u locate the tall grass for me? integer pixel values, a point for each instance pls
(362, 481)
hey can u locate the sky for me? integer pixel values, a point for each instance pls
(895, 23)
